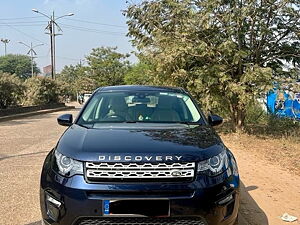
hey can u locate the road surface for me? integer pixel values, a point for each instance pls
(267, 190)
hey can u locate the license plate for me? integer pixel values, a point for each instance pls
(153, 208)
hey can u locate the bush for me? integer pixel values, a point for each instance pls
(258, 122)
(41, 90)
(11, 90)
(256, 114)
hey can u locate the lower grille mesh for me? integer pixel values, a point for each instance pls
(142, 221)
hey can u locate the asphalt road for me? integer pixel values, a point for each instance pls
(24, 144)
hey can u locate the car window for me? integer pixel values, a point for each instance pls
(153, 106)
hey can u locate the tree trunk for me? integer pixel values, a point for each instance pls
(240, 121)
(238, 116)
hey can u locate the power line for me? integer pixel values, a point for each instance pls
(28, 35)
(91, 22)
(23, 25)
(91, 30)
(25, 22)
(67, 58)
(21, 18)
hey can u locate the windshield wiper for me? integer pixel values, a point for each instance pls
(131, 121)
(189, 123)
(81, 125)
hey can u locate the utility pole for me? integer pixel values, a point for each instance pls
(5, 41)
(32, 54)
(51, 27)
(81, 61)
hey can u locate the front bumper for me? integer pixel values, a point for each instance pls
(73, 200)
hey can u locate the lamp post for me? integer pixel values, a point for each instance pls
(32, 53)
(5, 41)
(51, 27)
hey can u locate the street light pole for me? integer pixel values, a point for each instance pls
(51, 27)
(5, 41)
(32, 53)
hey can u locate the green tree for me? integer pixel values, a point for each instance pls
(107, 66)
(68, 78)
(11, 90)
(42, 90)
(20, 65)
(225, 52)
(139, 74)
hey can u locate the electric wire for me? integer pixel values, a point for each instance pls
(91, 30)
(28, 35)
(91, 22)
(21, 18)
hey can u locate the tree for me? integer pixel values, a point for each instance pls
(225, 52)
(139, 74)
(69, 77)
(42, 90)
(107, 66)
(20, 65)
(11, 90)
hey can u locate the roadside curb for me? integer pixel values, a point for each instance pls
(40, 112)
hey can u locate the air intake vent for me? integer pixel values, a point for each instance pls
(142, 221)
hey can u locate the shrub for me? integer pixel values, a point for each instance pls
(41, 90)
(11, 90)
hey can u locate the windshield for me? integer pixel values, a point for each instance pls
(140, 106)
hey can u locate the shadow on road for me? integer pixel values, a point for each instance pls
(21, 155)
(34, 118)
(250, 212)
(21, 120)
(35, 223)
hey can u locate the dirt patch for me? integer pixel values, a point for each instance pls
(280, 151)
(270, 185)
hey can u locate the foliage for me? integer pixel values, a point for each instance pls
(20, 65)
(42, 90)
(139, 74)
(11, 90)
(69, 77)
(225, 52)
(107, 66)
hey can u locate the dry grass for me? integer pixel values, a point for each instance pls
(278, 140)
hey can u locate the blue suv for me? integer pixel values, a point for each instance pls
(140, 155)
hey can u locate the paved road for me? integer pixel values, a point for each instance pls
(24, 144)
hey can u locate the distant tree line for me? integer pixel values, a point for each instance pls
(19, 88)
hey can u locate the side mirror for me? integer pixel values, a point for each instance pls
(65, 120)
(215, 120)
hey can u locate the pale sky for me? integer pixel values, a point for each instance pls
(95, 23)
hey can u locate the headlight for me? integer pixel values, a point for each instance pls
(67, 166)
(215, 165)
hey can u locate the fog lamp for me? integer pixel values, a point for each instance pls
(52, 207)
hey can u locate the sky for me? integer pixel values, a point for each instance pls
(95, 23)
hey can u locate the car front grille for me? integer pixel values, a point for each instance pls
(99, 171)
(142, 221)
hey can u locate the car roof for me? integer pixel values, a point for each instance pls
(141, 88)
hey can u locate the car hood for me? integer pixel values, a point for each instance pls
(140, 143)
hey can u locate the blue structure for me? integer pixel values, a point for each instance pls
(284, 103)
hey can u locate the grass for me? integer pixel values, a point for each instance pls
(275, 139)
